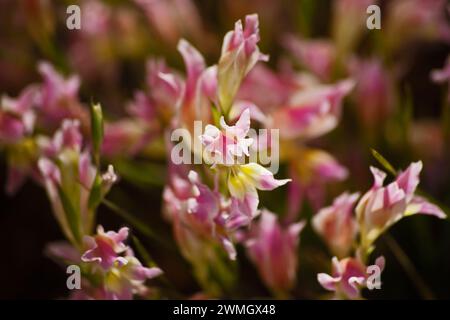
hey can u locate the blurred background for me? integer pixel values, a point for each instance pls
(396, 108)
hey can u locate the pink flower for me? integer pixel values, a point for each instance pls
(126, 137)
(165, 89)
(336, 224)
(174, 18)
(347, 277)
(59, 96)
(67, 137)
(311, 112)
(373, 92)
(229, 146)
(200, 88)
(123, 275)
(198, 213)
(273, 250)
(126, 279)
(97, 19)
(277, 87)
(311, 170)
(17, 121)
(239, 55)
(382, 206)
(67, 171)
(105, 247)
(17, 116)
(316, 55)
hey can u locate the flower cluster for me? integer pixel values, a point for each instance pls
(377, 210)
(228, 210)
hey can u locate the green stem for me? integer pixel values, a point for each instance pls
(409, 268)
(135, 222)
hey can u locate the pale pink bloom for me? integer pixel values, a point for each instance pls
(96, 19)
(126, 279)
(337, 225)
(68, 136)
(348, 277)
(442, 76)
(65, 167)
(198, 212)
(311, 112)
(77, 190)
(311, 170)
(17, 120)
(240, 106)
(200, 88)
(382, 206)
(59, 96)
(277, 88)
(123, 275)
(228, 146)
(318, 56)
(105, 247)
(17, 116)
(195, 65)
(164, 84)
(273, 249)
(126, 137)
(165, 89)
(373, 93)
(142, 107)
(173, 19)
(239, 55)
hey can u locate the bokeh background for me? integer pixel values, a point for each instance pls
(109, 54)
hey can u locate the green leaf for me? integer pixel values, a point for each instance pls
(73, 217)
(96, 130)
(382, 160)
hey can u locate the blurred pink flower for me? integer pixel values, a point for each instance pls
(17, 116)
(68, 175)
(373, 93)
(318, 56)
(311, 112)
(124, 275)
(347, 277)
(59, 97)
(198, 212)
(311, 170)
(382, 206)
(273, 249)
(337, 225)
(96, 19)
(126, 137)
(173, 19)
